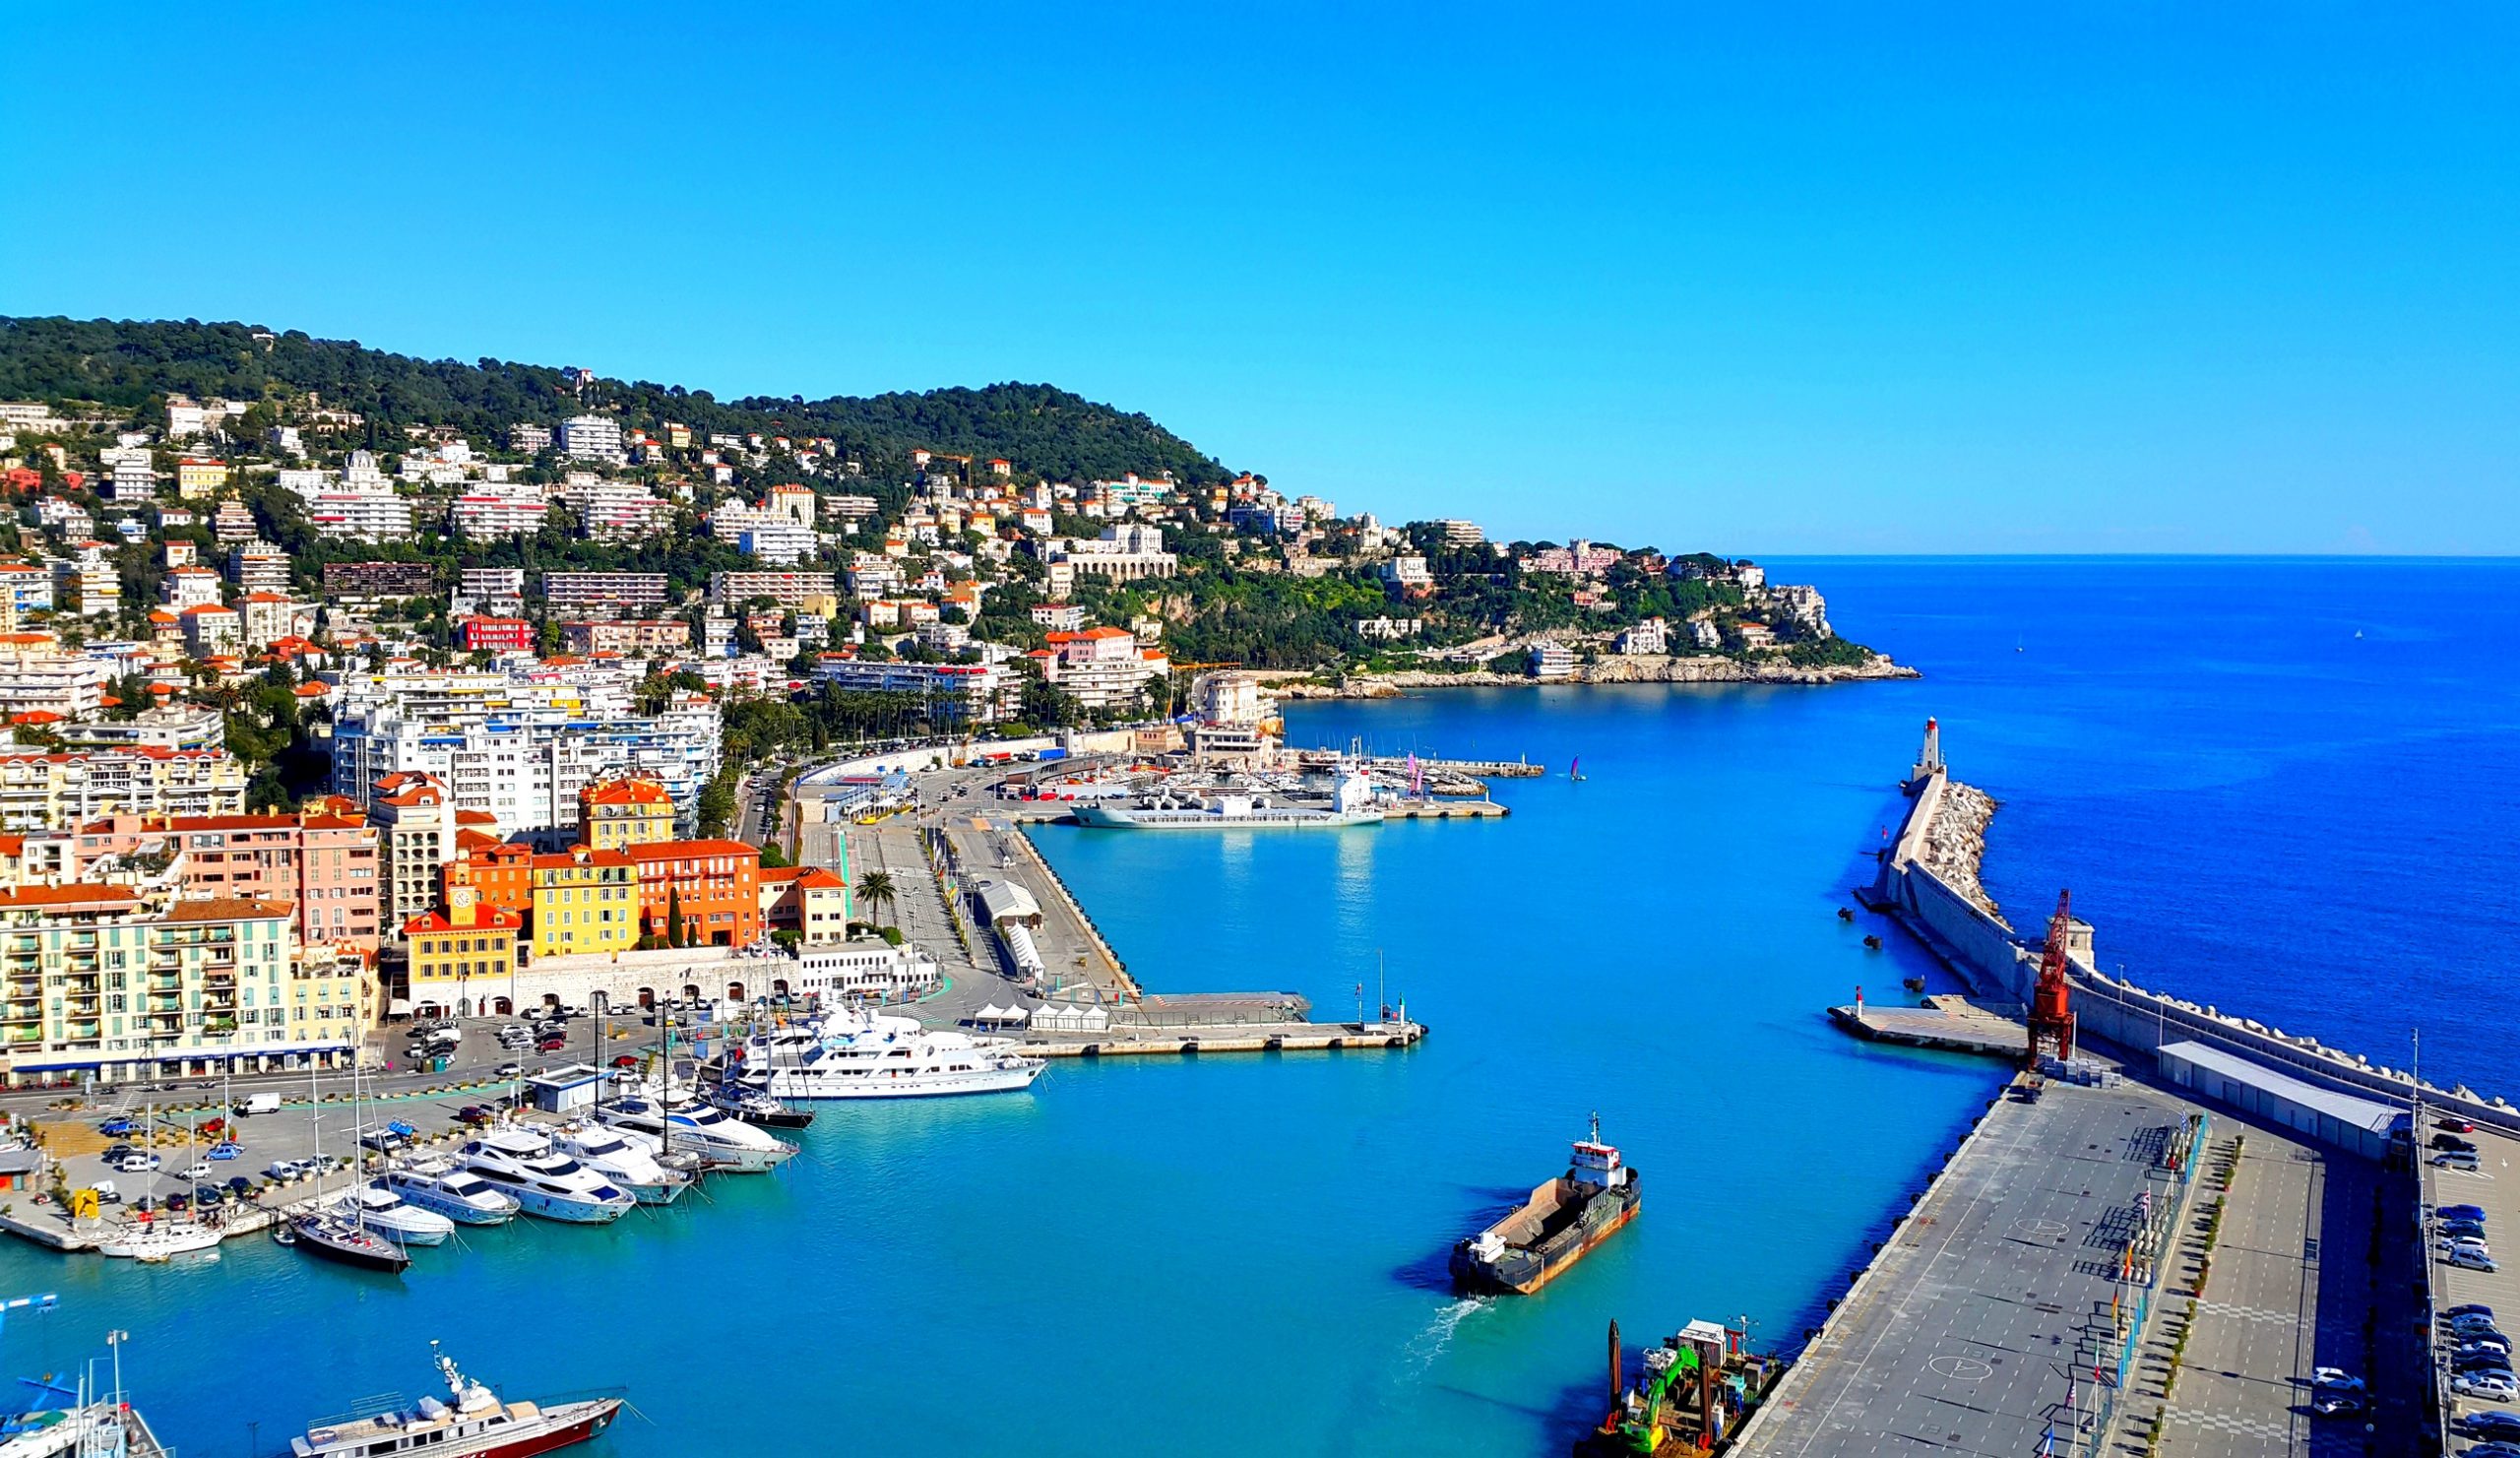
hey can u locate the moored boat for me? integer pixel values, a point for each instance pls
(1353, 803)
(851, 1054)
(442, 1186)
(470, 1421)
(1553, 1229)
(688, 1126)
(158, 1239)
(341, 1238)
(543, 1181)
(387, 1214)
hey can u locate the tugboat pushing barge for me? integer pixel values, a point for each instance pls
(1563, 1219)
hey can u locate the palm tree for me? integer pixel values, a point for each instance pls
(875, 889)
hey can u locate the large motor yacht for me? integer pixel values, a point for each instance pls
(875, 1055)
(544, 1181)
(688, 1126)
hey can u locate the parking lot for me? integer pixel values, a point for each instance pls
(2494, 1188)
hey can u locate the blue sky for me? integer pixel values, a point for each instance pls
(2121, 276)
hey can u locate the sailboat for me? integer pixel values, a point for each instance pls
(1575, 769)
(340, 1233)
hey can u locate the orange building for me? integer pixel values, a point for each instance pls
(500, 872)
(716, 884)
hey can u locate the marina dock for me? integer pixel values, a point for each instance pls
(1121, 1041)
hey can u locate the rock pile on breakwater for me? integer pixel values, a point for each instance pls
(1956, 843)
(1693, 668)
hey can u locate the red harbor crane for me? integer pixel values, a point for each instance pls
(2052, 1013)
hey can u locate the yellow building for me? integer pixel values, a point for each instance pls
(614, 814)
(462, 958)
(101, 980)
(199, 477)
(585, 900)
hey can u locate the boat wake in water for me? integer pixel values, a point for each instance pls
(1430, 1342)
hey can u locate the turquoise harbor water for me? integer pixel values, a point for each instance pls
(1243, 1255)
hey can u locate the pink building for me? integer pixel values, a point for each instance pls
(325, 862)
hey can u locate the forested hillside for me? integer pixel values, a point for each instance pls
(1045, 430)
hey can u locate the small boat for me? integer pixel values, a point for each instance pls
(1553, 1229)
(158, 1239)
(442, 1186)
(335, 1236)
(398, 1220)
(469, 1422)
(1575, 768)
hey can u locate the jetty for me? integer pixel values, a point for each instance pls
(1983, 1322)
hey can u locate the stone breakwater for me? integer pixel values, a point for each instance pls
(1955, 843)
(1695, 668)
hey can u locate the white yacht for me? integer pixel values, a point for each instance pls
(442, 1186)
(389, 1214)
(628, 1158)
(158, 1239)
(544, 1181)
(877, 1055)
(689, 1126)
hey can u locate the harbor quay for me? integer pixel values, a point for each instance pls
(1018, 953)
(2282, 1307)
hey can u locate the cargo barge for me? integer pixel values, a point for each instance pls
(1696, 1391)
(1553, 1229)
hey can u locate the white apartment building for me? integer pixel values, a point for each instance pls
(37, 676)
(489, 513)
(568, 592)
(359, 515)
(1103, 667)
(591, 438)
(257, 566)
(525, 766)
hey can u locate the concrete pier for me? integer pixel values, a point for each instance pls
(1948, 1024)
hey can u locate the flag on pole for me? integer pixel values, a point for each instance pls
(2048, 1442)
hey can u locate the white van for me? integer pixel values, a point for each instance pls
(260, 1104)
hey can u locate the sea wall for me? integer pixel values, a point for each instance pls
(2000, 967)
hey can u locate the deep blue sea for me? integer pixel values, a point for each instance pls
(2282, 786)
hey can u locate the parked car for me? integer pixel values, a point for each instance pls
(551, 1045)
(120, 1124)
(625, 1061)
(2453, 1123)
(2336, 1404)
(2459, 1212)
(2457, 1229)
(2498, 1350)
(107, 1193)
(137, 1162)
(2453, 1141)
(2493, 1422)
(2457, 1159)
(114, 1151)
(2335, 1379)
(198, 1170)
(508, 1070)
(2490, 1450)
(2486, 1388)
(383, 1141)
(208, 1194)
(2465, 1308)
(2471, 1260)
(240, 1188)
(286, 1169)
(475, 1115)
